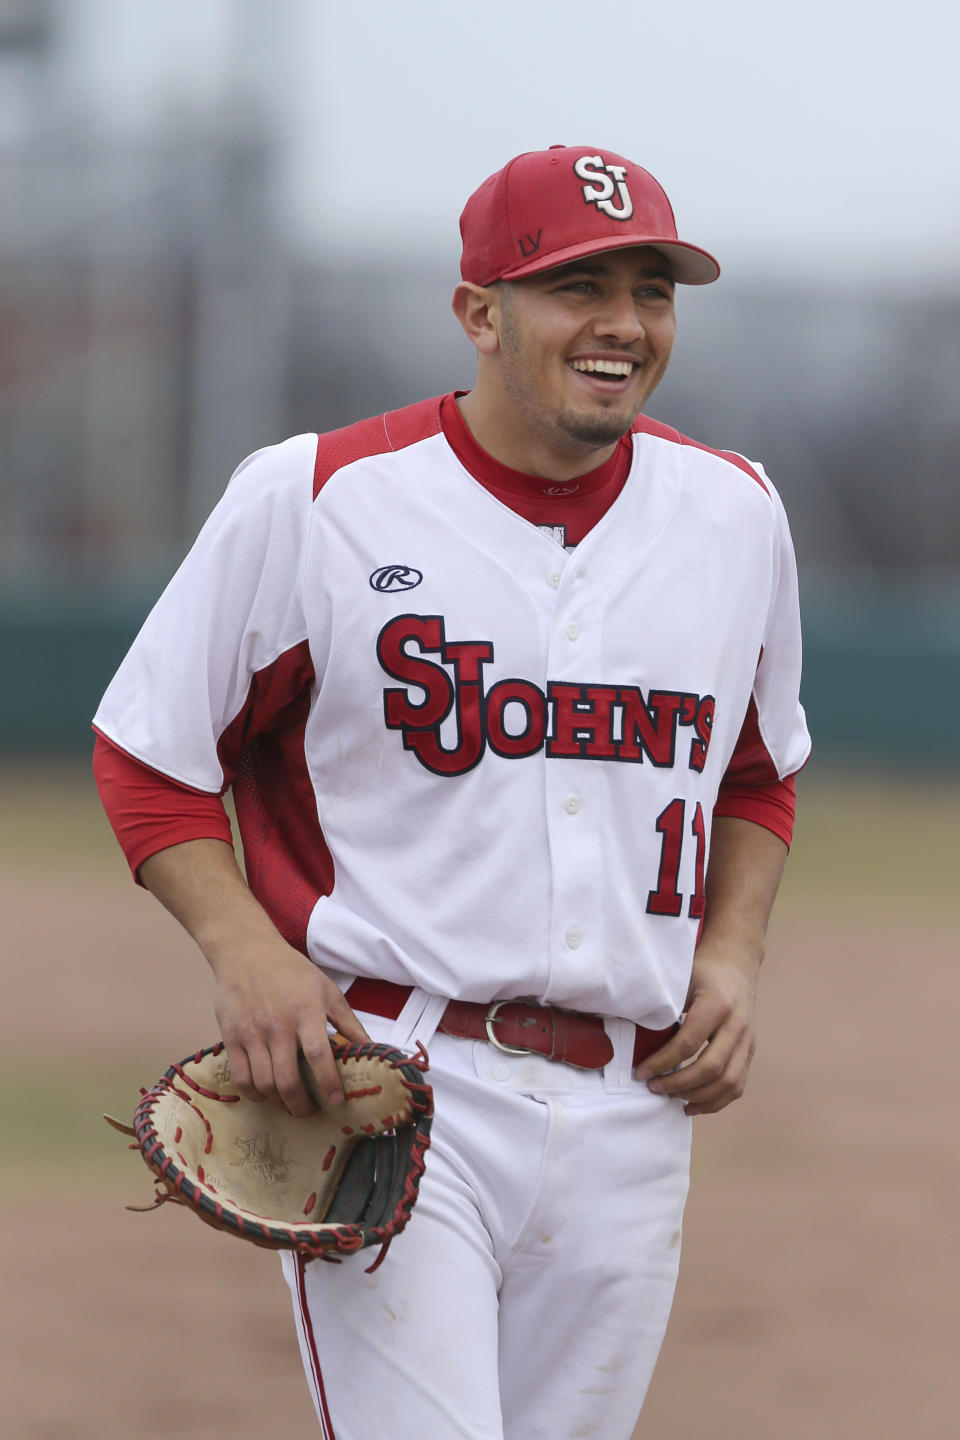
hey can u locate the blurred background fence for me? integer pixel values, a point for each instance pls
(160, 318)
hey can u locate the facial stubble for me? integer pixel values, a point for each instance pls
(565, 429)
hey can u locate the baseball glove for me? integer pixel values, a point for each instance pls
(325, 1185)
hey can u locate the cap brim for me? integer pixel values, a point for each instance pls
(689, 265)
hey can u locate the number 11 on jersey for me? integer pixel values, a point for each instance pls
(667, 899)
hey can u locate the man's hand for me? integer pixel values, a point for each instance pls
(715, 1043)
(271, 1001)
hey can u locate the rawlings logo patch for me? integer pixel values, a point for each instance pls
(395, 577)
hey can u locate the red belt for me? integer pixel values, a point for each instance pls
(515, 1026)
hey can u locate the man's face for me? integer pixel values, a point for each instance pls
(583, 346)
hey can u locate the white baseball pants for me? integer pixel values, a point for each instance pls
(528, 1296)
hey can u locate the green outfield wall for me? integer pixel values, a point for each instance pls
(881, 670)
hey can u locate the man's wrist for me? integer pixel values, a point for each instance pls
(732, 944)
(226, 941)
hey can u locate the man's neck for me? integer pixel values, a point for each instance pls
(523, 450)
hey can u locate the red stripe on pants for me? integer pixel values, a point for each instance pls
(312, 1347)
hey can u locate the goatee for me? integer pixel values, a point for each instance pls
(594, 431)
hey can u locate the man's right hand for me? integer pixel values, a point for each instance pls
(271, 1001)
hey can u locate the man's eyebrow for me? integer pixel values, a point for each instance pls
(586, 266)
(589, 266)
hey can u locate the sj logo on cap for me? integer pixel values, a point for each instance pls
(604, 181)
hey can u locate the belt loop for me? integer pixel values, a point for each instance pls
(417, 1022)
(561, 1035)
(423, 1028)
(618, 1074)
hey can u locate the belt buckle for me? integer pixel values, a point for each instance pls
(491, 1016)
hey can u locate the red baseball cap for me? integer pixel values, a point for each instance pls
(547, 207)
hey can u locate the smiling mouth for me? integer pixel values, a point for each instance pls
(615, 371)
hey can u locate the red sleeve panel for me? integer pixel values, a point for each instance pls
(287, 861)
(751, 789)
(288, 864)
(149, 811)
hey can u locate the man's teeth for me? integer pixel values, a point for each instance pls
(604, 367)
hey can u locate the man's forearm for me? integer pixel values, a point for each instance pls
(743, 876)
(200, 883)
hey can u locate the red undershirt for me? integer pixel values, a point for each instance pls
(573, 506)
(150, 812)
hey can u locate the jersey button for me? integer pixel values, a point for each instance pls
(573, 938)
(573, 630)
(572, 804)
(554, 579)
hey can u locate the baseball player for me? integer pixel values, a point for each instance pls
(505, 685)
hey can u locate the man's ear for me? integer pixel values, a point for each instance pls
(477, 307)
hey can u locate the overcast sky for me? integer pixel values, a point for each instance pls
(817, 139)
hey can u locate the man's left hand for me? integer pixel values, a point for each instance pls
(706, 1062)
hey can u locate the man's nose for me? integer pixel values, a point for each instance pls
(619, 319)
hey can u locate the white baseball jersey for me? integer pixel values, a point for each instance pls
(465, 759)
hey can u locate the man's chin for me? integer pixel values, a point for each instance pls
(596, 430)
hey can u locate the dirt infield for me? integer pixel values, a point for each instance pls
(820, 1251)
